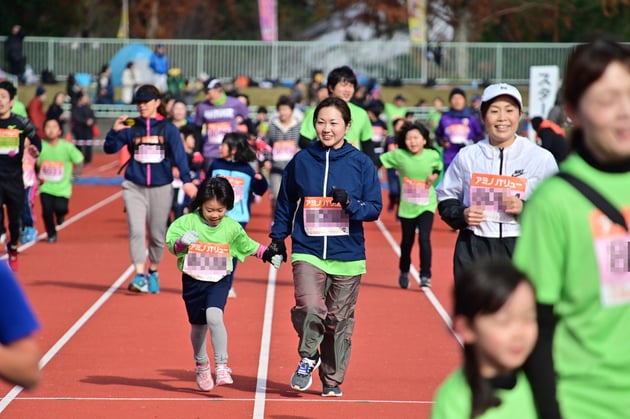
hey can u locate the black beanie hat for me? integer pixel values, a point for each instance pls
(456, 91)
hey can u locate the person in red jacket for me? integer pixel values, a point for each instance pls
(36, 111)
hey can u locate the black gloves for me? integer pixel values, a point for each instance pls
(340, 196)
(276, 247)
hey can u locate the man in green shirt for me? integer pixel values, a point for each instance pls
(342, 83)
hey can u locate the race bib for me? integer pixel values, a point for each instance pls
(9, 141)
(283, 150)
(149, 149)
(238, 184)
(612, 247)
(458, 133)
(215, 131)
(207, 261)
(487, 191)
(323, 218)
(415, 191)
(51, 171)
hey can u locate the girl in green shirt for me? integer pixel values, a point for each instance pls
(495, 316)
(418, 166)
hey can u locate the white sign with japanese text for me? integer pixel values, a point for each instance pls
(544, 82)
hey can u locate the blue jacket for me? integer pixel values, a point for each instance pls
(234, 169)
(313, 172)
(159, 63)
(169, 143)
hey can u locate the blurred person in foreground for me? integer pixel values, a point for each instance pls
(574, 246)
(19, 350)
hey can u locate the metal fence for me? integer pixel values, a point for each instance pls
(468, 63)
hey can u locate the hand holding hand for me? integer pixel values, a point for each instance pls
(276, 261)
(340, 196)
(276, 248)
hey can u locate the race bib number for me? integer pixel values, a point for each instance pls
(458, 133)
(149, 149)
(207, 261)
(488, 191)
(415, 191)
(215, 131)
(9, 141)
(323, 218)
(51, 171)
(612, 247)
(238, 184)
(283, 150)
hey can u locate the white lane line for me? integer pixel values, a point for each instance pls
(427, 291)
(223, 400)
(71, 220)
(16, 390)
(265, 343)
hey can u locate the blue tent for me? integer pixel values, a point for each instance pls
(132, 52)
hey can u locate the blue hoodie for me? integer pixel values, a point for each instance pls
(169, 142)
(313, 172)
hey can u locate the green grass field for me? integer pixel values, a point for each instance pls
(267, 97)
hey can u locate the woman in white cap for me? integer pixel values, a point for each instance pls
(485, 186)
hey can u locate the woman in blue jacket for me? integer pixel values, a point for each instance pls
(155, 147)
(328, 190)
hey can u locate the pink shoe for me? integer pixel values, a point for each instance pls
(204, 378)
(223, 375)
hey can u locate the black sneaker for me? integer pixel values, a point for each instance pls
(332, 391)
(302, 378)
(403, 280)
(425, 281)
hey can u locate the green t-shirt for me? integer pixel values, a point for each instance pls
(332, 267)
(433, 120)
(393, 112)
(360, 128)
(18, 108)
(557, 250)
(453, 400)
(413, 168)
(55, 167)
(227, 232)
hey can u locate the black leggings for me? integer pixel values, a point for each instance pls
(424, 223)
(12, 196)
(53, 206)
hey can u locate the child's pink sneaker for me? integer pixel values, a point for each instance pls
(204, 377)
(222, 373)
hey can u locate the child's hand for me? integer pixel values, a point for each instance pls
(432, 178)
(189, 237)
(276, 261)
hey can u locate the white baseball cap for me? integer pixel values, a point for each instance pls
(500, 89)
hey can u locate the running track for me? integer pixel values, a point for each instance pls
(108, 353)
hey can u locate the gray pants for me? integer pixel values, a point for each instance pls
(323, 317)
(147, 207)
